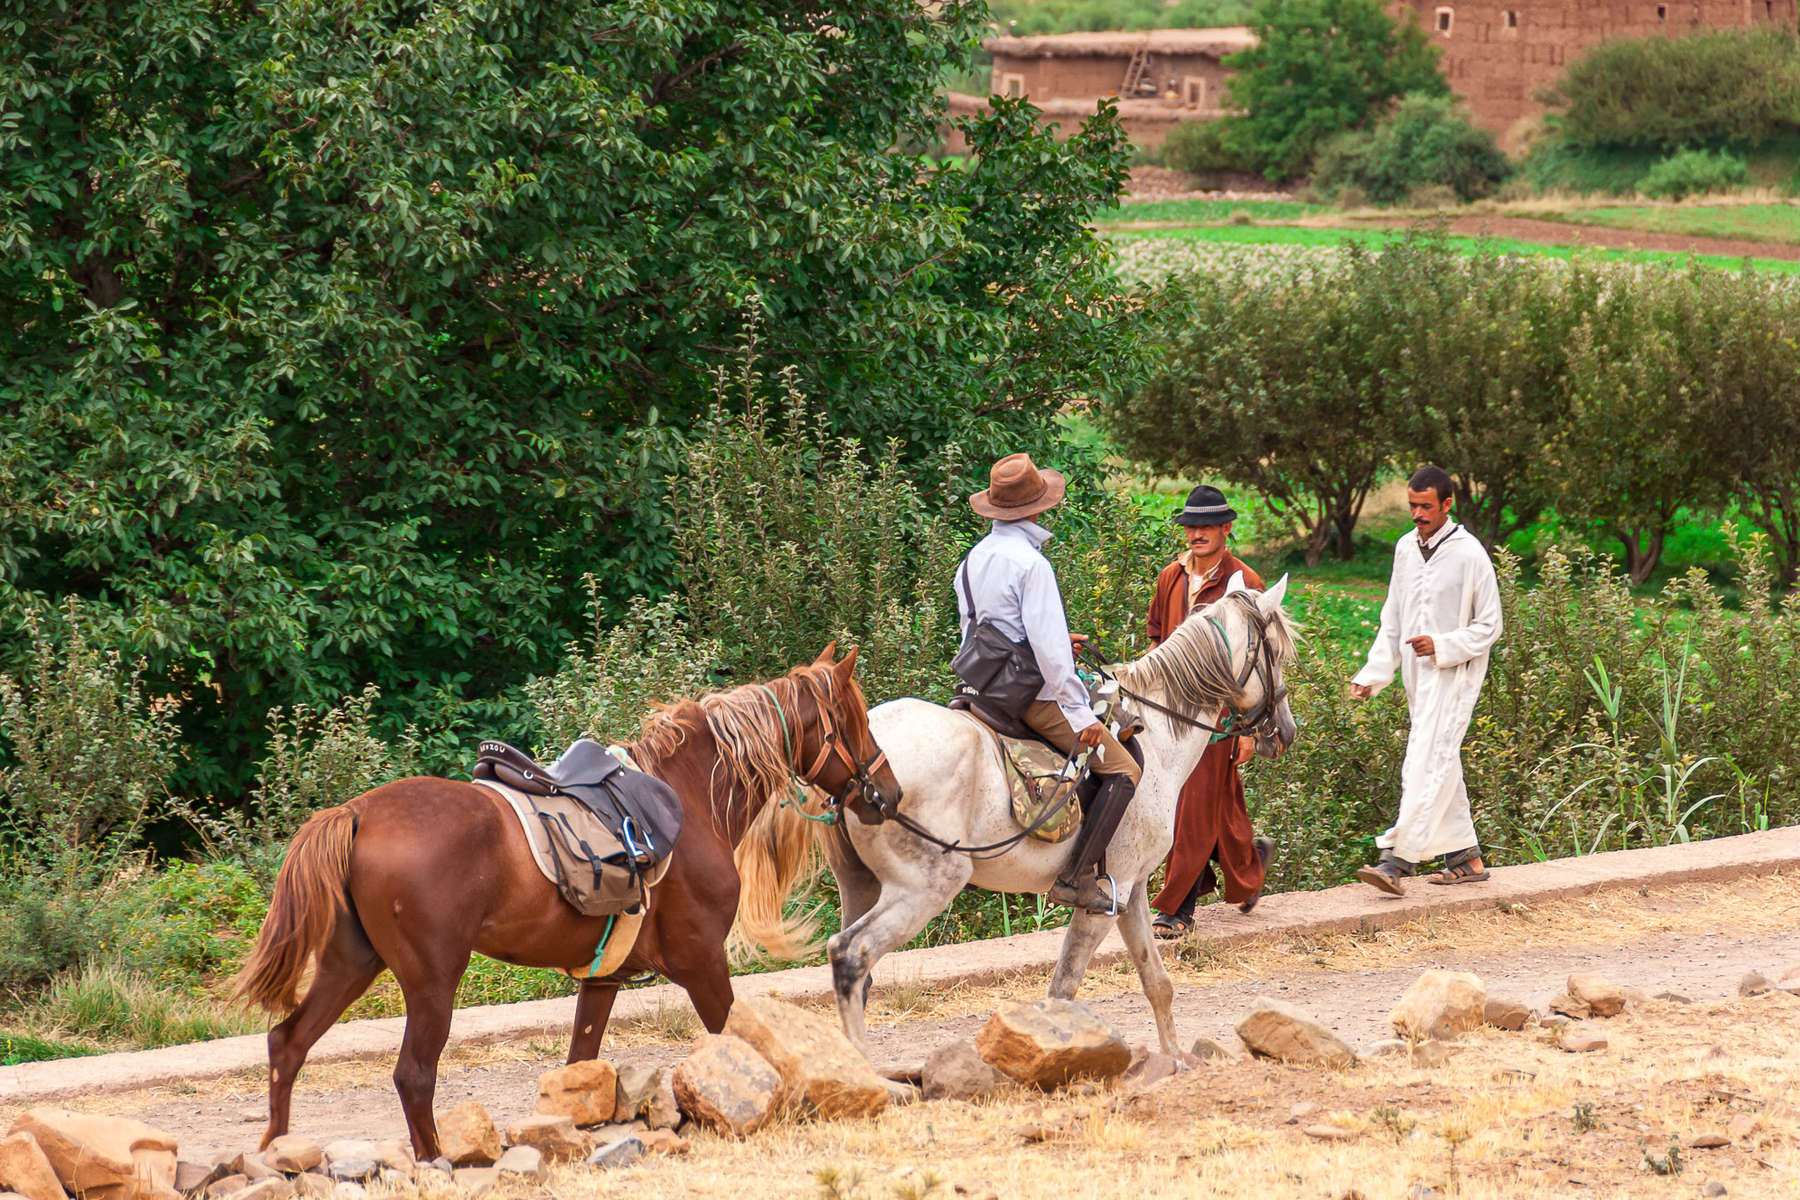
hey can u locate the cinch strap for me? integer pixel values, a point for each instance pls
(600, 950)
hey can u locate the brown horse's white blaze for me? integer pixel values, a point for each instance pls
(418, 875)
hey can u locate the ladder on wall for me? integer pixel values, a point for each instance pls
(1134, 72)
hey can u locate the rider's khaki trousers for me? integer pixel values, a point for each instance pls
(1110, 758)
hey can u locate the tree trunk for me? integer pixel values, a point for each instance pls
(1641, 558)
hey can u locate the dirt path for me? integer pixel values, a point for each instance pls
(1698, 940)
(1562, 233)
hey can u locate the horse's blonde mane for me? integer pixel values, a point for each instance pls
(776, 852)
(1191, 670)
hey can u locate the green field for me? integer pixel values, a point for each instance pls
(1778, 223)
(1208, 212)
(1181, 248)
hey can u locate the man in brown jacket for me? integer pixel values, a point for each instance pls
(1212, 826)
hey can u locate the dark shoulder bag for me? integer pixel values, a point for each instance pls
(1004, 672)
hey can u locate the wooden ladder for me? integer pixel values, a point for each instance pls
(1134, 72)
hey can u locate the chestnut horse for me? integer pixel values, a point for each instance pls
(419, 874)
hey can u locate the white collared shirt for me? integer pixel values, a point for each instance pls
(1014, 586)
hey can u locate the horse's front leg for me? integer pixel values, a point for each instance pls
(593, 1007)
(1159, 989)
(1086, 931)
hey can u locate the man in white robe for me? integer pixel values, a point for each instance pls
(1438, 625)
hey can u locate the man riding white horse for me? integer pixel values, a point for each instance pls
(1007, 584)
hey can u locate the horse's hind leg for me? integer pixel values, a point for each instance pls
(1086, 931)
(347, 966)
(1134, 928)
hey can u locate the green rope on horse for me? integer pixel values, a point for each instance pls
(798, 801)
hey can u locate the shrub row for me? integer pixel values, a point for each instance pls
(1618, 395)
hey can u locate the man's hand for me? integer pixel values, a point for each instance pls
(1361, 691)
(1091, 735)
(1246, 750)
(1078, 642)
(1422, 645)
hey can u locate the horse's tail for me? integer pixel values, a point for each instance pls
(776, 858)
(309, 891)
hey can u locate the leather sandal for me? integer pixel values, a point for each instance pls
(1169, 926)
(1457, 869)
(1385, 875)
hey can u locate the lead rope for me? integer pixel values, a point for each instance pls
(797, 801)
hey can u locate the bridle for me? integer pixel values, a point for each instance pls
(859, 782)
(1259, 663)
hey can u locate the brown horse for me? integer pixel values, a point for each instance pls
(419, 874)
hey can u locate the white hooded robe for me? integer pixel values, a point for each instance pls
(1454, 598)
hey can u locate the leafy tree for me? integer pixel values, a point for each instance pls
(1661, 93)
(1279, 379)
(1320, 67)
(1424, 141)
(342, 338)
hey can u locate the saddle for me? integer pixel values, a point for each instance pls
(609, 828)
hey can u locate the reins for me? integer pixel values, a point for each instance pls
(861, 774)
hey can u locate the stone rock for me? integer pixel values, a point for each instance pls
(311, 1186)
(1301, 1111)
(822, 1074)
(1582, 1040)
(293, 1153)
(1048, 1043)
(1554, 1021)
(1603, 997)
(1284, 1033)
(1674, 997)
(632, 1093)
(467, 1137)
(25, 1169)
(348, 1190)
(192, 1176)
(1329, 1133)
(1505, 1014)
(1152, 1069)
(1439, 1004)
(585, 1092)
(551, 1134)
(351, 1170)
(912, 1071)
(475, 1181)
(227, 1185)
(1570, 1006)
(726, 1086)
(956, 1071)
(1383, 1048)
(1713, 1188)
(1709, 1139)
(663, 1141)
(1207, 1048)
(1753, 984)
(270, 1187)
(620, 1153)
(663, 1112)
(396, 1155)
(440, 1163)
(346, 1149)
(110, 1158)
(522, 1162)
(252, 1167)
(1741, 1126)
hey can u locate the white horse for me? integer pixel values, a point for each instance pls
(891, 881)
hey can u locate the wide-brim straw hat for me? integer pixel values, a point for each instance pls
(1018, 488)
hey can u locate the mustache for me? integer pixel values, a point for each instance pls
(1420, 521)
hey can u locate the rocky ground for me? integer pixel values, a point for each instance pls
(1491, 1113)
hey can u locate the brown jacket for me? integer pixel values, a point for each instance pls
(1212, 826)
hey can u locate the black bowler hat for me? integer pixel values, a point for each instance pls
(1205, 506)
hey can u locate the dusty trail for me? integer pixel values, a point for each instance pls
(1696, 939)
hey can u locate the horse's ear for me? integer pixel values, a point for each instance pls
(826, 655)
(1270, 601)
(1235, 583)
(846, 668)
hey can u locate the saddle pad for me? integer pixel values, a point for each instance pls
(1032, 780)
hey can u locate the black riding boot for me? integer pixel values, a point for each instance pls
(1080, 885)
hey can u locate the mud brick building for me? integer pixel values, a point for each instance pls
(1497, 54)
(1160, 76)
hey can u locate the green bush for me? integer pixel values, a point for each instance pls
(1427, 142)
(1202, 148)
(1656, 93)
(1695, 172)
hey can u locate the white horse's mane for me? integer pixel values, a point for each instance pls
(1192, 668)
